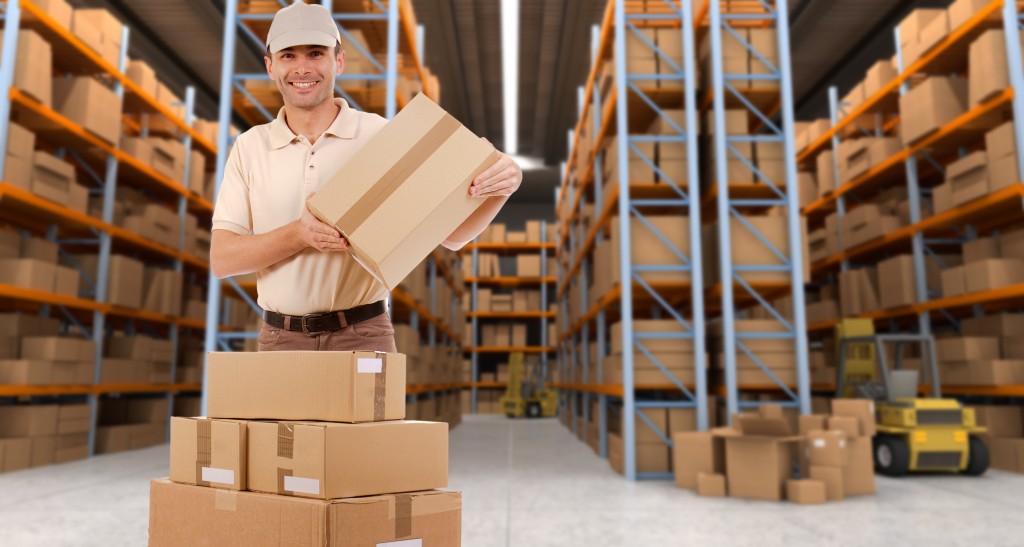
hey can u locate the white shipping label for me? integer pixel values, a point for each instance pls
(369, 365)
(819, 443)
(403, 543)
(219, 476)
(302, 485)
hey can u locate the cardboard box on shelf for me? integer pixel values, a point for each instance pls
(21, 143)
(168, 158)
(89, 103)
(28, 420)
(18, 172)
(33, 67)
(425, 213)
(750, 248)
(143, 75)
(1000, 324)
(961, 10)
(528, 265)
(57, 348)
(207, 452)
(109, 28)
(968, 177)
(22, 324)
(58, 10)
(52, 177)
(993, 273)
(981, 249)
(880, 74)
(930, 105)
(967, 349)
(179, 513)
(28, 273)
(1001, 153)
(23, 372)
(988, 66)
(329, 460)
(281, 385)
(896, 282)
(954, 281)
(826, 173)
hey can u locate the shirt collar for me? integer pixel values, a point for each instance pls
(344, 126)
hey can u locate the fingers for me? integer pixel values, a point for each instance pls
(503, 189)
(501, 165)
(509, 176)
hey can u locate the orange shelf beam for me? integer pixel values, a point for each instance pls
(509, 280)
(509, 349)
(511, 314)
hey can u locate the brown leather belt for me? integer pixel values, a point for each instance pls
(313, 324)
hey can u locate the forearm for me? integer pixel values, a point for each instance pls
(232, 254)
(472, 226)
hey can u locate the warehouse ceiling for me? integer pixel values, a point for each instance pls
(833, 41)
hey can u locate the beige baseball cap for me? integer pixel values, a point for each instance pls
(302, 24)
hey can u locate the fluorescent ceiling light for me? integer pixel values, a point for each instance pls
(510, 72)
(529, 163)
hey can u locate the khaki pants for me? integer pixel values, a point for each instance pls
(376, 334)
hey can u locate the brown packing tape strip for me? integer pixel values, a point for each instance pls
(403, 515)
(204, 448)
(379, 387)
(285, 449)
(397, 175)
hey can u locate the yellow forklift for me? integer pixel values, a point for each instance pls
(526, 394)
(931, 434)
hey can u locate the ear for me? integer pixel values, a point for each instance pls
(341, 61)
(268, 63)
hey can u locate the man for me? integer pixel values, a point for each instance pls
(313, 293)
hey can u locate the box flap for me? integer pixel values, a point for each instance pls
(764, 427)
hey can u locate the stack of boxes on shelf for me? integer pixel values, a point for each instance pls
(129, 424)
(32, 263)
(318, 438)
(988, 352)
(33, 352)
(136, 359)
(652, 454)
(756, 458)
(37, 435)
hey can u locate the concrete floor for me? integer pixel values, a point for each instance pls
(533, 484)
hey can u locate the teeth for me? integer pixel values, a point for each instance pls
(303, 84)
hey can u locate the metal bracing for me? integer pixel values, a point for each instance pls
(730, 208)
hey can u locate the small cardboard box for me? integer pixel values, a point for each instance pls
(296, 385)
(209, 452)
(968, 177)
(967, 348)
(388, 202)
(143, 75)
(52, 177)
(331, 460)
(33, 66)
(710, 485)
(827, 448)
(896, 280)
(962, 10)
(805, 491)
(862, 409)
(528, 265)
(954, 281)
(987, 61)
(993, 274)
(930, 105)
(28, 273)
(759, 460)
(58, 10)
(847, 425)
(182, 514)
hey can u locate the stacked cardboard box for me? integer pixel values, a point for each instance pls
(139, 359)
(314, 434)
(32, 263)
(988, 263)
(653, 455)
(674, 354)
(756, 457)
(778, 355)
(1005, 436)
(987, 353)
(42, 434)
(129, 424)
(750, 249)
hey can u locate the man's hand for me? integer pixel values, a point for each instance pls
(501, 179)
(319, 235)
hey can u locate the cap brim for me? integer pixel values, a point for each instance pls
(303, 37)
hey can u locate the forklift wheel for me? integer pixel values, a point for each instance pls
(892, 456)
(533, 410)
(977, 460)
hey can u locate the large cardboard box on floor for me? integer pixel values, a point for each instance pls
(207, 452)
(307, 385)
(331, 460)
(189, 515)
(406, 191)
(759, 460)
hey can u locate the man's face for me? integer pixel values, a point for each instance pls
(305, 74)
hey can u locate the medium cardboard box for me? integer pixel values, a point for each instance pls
(826, 171)
(52, 177)
(654, 345)
(89, 103)
(43, 450)
(528, 265)
(168, 158)
(295, 385)
(184, 515)
(330, 460)
(980, 249)
(125, 286)
(1000, 324)
(896, 280)
(750, 248)
(805, 491)
(952, 350)
(862, 409)
(39, 249)
(988, 73)
(930, 105)
(144, 76)
(396, 215)
(847, 425)
(968, 177)
(28, 273)
(833, 479)
(110, 32)
(827, 448)
(996, 372)
(58, 10)
(859, 472)
(28, 420)
(933, 31)
(880, 74)
(33, 66)
(962, 10)
(18, 172)
(993, 274)
(57, 348)
(21, 142)
(15, 454)
(710, 485)
(759, 461)
(209, 452)
(21, 324)
(954, 281)
(696, 452)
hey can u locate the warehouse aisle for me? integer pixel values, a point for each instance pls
(530, 483)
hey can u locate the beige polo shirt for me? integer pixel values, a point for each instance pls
(268, 175)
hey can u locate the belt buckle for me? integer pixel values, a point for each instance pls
(305, 325)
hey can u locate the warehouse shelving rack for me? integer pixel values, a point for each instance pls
(71, 228)
(763, 102)
(546, 279)
(963, 222)
(620, 110)
(390, 28)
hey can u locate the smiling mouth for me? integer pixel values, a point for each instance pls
(303, 85)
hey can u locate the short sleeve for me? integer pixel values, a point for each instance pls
(232, 210)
